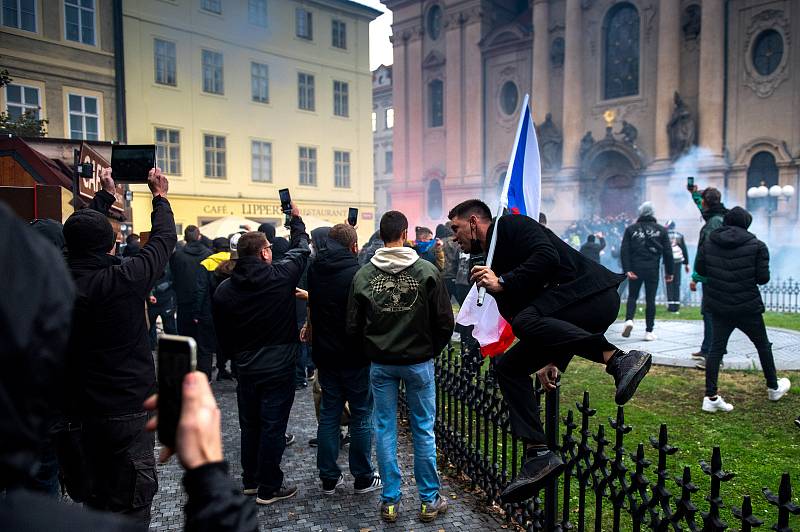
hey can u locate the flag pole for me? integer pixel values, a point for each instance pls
(502, 202)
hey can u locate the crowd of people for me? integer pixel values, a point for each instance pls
(78, 403)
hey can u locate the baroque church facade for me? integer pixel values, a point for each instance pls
(630, 97)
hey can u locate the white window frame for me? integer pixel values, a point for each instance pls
(306, 88)
(341, 98)
(303, 24)
(212, 54)
(259, 84)
(171, 165)
(83, 115)
(80, 9)
(24, 103)
(170, 62)
(307, 157)
(388, 117)
(339, 29)
(341, 169)
(374, 121)
(260, 161)
(18, 23)
(257, 13)
(215, 151)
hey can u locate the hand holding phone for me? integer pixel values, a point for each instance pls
(177, 357)
(690, 186)
(352, 216)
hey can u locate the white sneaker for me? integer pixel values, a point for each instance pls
(626, 332)
(649, 337)
(783, 386)
(718, 405)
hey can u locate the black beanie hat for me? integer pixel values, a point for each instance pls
(86, 232)
(269, 232)
(738, 217)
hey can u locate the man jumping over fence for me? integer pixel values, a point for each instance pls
(559, 304)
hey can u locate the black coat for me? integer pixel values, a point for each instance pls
(185, 266)
(254, 311)
(644, 245)
(109, 360)
(734, 262)
(540, 269)
(329, 279)
(593, 249)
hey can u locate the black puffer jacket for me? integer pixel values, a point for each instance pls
(185, 266)
(734, 262)
(644, 245)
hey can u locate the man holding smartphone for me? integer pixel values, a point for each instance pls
(109, 362)
(256, 328)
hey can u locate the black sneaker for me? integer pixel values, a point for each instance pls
(224, 375)
(390, 511)
(428, 511)
(699, 355)
(310, 374)
(313, 442)
(290, 439)
(250, 490)
(284, 492)
(329, 485)
(534, 474)
(301, 385)
(628, 370)
(702, 364)
(797, 422)
(367, 484)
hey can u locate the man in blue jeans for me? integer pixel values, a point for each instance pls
(342, 367)
(399, 305)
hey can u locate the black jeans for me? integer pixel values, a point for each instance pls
(167, 312)
(264, 409)
(708, 326)
(121, 467)
(674, 289)
(206, 345)
(574, 330)
(753, 326)
(650, 280)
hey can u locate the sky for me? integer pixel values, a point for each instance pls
(380, 49)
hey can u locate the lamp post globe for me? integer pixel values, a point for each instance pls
(788, 191)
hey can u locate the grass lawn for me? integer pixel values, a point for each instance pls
(772, 319)
(758, 439)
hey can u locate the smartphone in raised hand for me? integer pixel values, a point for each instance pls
(177, 356)
(352, 216)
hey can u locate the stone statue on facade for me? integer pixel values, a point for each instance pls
(586, 144)
(680, 129)
(550, 144)
(629, 133)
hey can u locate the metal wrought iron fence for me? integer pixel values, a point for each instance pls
(615, 489)
(779, 295)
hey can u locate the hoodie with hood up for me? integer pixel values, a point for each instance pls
(185, 266)
(733, 262)
(400, 307)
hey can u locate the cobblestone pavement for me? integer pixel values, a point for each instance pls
(678, 339)
(310, 509)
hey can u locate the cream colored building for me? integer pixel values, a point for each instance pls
(603, 75)
(245, 97)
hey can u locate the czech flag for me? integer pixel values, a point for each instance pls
(521, 195)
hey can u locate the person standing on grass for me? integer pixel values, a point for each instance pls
(400, 307)
(734, 262)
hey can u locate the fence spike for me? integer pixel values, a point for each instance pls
(745, 515)
(783, 501)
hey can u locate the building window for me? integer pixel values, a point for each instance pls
(257, 12)
(262, 161)
(434, 22)
(308, 166)
(389, 118)
(621, 52)
(388, 162)
(213, 6)
(168, 150)
(374, 121)
(259, 80)
(214, 152)
(20, 14)
(303, 24)
(436, 103)
(341, 98)
(84, 117)
(305, 91)
(509, 97)
(21, 99)
(434, 199)
(341, 169)
(79, 20)
(338, 34)
(165, 62)
(213, 80)
(762, 169)
(767, 52)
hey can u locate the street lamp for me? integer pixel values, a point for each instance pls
(775, 191)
